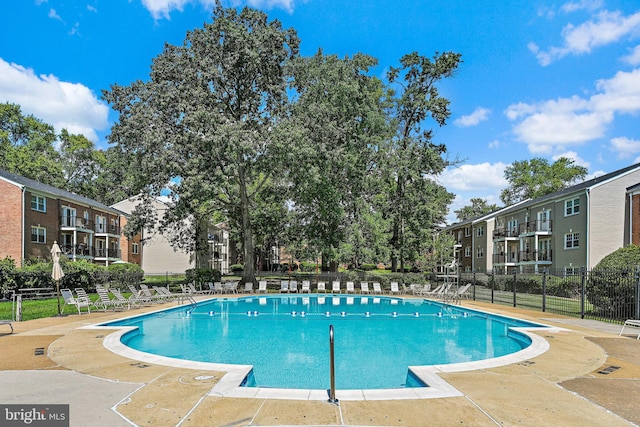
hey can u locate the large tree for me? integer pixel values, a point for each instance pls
(530, 179)
(477, 207)
(205, 124)
(415, 201)
(338, 121)
(27, 147)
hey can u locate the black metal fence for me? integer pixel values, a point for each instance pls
(610, 295)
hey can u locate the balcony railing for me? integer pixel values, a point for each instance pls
(78, 250)
(536, 226)
(535, 256)
(107, 228)
(501, 233)
(107, 253)
(503, 258)
(76, 222)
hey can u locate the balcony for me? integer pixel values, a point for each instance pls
(503, 258)
(102, 228)
(107, 253)
(77, 250)
(72, 221)
(536, 226)
(503, 233)
(536, 256)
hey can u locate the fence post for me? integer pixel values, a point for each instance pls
(473, 293)
(493, 284)
(515, 280)
(583, 279)
(544, 290)
(637, 310)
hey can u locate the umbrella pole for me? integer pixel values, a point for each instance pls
(58, 295)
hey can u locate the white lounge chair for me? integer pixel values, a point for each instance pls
(138, 297)
(293, 286)
(335, 287)
(321, 288)
(194, 291)
(248, 288)
(284, 286)
(364, 288)
(69, 299)
(631, 323)
(350, 288)
(7, 322)
(120, 298)
(377, 289)
(104, 301)
(262, 286)
(306, 287)
(394, 289)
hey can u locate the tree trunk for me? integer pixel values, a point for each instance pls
(249, 272)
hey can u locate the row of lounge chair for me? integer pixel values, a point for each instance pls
(139, 297)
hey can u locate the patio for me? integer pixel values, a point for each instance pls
(589, 376)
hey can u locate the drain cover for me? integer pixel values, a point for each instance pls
(38, 351)
(608, 370)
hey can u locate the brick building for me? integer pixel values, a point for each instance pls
(34, 215)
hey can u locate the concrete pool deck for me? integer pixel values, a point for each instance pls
(588, 376)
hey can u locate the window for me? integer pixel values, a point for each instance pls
(480, 231)
(571, 240)
(571, 271)
(134, 248)
(38, 203)
(38, 234)
(571, 207)
(467, 251)
(480, 252)
(467, 231)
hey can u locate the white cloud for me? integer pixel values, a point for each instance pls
(634, 56)
(573, 156)
(62, 104)
(54, 15)
(479, 115)
(604, 28)
(573, 6)
(162, 8)
(483, 176)
(91, 8)
(495, 144)
(625, 147)
(556, 124)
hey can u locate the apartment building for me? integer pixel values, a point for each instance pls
(161, 257)
(34, 215)
(562, 231)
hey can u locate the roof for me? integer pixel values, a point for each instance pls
(583, 186)
(56, 192)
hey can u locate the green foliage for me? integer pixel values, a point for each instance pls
(477, 208)
(530, 179)
(203, 275)
(236, 268)
(308, 267)
(611, 285)
(7, 275)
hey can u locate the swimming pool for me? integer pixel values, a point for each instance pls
(285, 338)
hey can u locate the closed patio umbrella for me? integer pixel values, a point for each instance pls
(57, 272)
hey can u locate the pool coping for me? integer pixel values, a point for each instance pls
(230, 385)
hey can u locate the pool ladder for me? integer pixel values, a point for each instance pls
(332, 389)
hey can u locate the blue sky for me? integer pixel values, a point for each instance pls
(539, 78)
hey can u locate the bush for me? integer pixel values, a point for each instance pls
(201, 276)
(308, 267)
(7, 275)
(611, 285)
(236, 268)
(367, 267)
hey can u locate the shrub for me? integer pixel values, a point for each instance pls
(611, 285)
(203, 275)
(7, 275)
(368, 267)
(236, 268)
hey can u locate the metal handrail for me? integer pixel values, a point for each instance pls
(332, 390)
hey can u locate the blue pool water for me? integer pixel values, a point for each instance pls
(286, 338)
